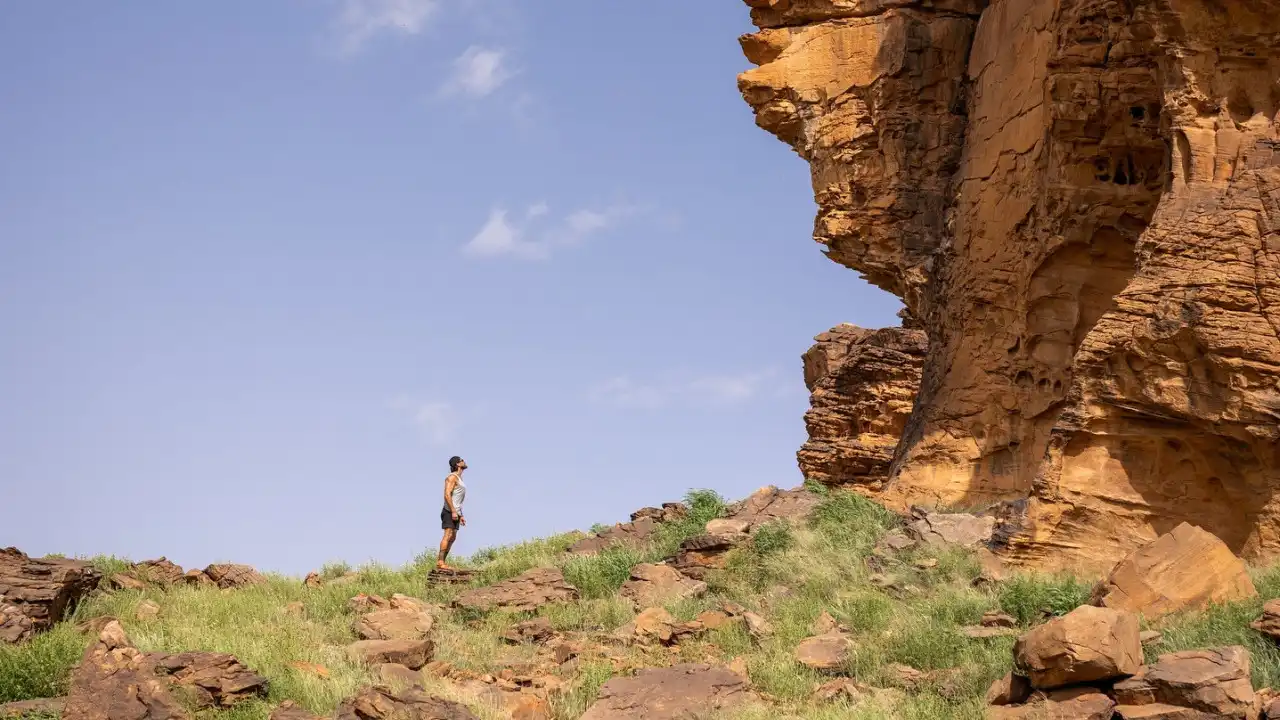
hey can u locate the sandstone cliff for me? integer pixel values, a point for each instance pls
(1076, 198)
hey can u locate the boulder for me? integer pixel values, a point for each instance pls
(1184, 569)
(1211, 681)
(197, 578)
(115, 681)
(35, 593)
(670, 693)
(526, 592)
(396, 675)
(1009, 690)
(394, 624)
(413, 654)
(728, 526)
(32, 708)
(658, 625)
(1088, 644)
(147, 610)
(537, 630)
(231, 575)
(208, 679)
(757, 625)
(1084, 703)
(379, 702)
(769, 504)
(659, 584)
(825, 652)
(160, 571)
(824, 624)
(1269, 622)
(995, 618)
(701, 554)
(950, 529)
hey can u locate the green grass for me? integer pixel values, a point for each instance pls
(40, 668)
(788, 574)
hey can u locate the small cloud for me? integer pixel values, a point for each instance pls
(360, 20)
(478, 72)
(501, 236)
(437, 421)
(622, 392)
(716, 390)
(731, 388)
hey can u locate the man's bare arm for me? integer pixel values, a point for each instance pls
(449, 483)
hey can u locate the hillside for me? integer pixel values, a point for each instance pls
(897, 604)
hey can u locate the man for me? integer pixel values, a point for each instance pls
(455, 491)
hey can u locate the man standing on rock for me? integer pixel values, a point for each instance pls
(451, 515)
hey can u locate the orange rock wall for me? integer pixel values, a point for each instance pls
(1075, 199)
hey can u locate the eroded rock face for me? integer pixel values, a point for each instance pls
(1075, 199)
(862, 384)
(670, 693)
(35, 593)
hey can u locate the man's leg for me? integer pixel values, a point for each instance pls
(446, 544)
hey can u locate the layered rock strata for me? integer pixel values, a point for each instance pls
(1076, 200)
(862, 386)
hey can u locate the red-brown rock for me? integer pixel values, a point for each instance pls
(35, 593)
(1088, 644)
(413, 654)
(671, 693)
(527, 591)
(231, 575)
(116, 682)
(1184, 569)
(1211, 681)
(1083, 703)
(381, 703)
(862, 386)
(659, 584)
(208, 679)
(700, 554)
(644, 523)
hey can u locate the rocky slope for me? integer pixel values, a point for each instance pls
(1075, 200)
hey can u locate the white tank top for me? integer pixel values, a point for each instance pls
(459, 494)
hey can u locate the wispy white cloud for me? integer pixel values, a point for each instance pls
(502, 236)
(711, 390)
(360, 20)
(478, 72)
(727, 389)
(436, 421)
(623, 392)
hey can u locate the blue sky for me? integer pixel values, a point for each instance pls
(266, 265)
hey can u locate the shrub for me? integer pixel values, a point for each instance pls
(1026, 596)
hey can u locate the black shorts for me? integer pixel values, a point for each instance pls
(446, 520)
